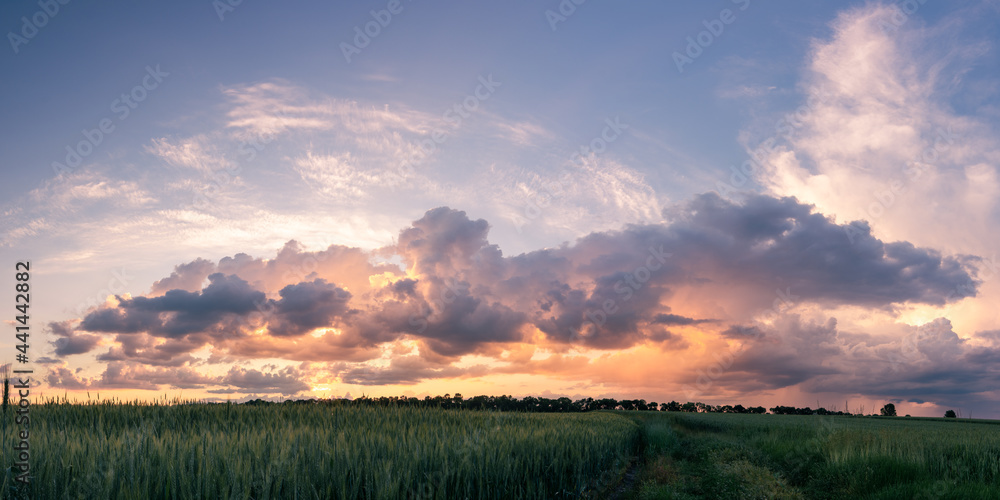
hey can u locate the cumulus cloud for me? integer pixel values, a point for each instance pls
(70, 341)
(285, 381)
(129, 375)
(878, 135)
(403, 370)
(188, 277)
(178, 312)
(454, 294)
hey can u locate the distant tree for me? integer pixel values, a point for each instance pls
(672, 406)
(889, 410)
(689, 407)
(785, 410)
(949, 414)
(564, 404)
(739, 409)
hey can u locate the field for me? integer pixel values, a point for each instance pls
(716, 455)
(317, 451)
(374, 452)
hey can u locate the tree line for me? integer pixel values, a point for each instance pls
(531, 404)
(564, 404)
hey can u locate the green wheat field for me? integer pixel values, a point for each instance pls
(129, 450)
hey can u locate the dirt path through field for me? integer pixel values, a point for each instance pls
(628, 482)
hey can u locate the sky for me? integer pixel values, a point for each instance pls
(780, 203)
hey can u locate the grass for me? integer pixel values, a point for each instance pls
(713, 455)
(318, 451)
(123, 450)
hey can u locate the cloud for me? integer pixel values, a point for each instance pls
(177, 312)
(188, 277)
(676, 319)
(197, 153)
(306, 306)
(456, 294)
(929, 362)
(71, 342)
(403, 370)
(126, 375)
(879, 136)
(286, 381)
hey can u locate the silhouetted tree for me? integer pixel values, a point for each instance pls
(889, 410)
(949, 414)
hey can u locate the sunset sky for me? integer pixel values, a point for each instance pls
(729, 202)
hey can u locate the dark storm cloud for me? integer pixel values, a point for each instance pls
(781, 239)
(928, 363)
(404, 288)
(146, 349)
(461, 322)
(744, 250)
(787, 353)
(665, 338)
(185, 312)
(675, 319)
(307, 306)
(742, 332)
(990, 336)
(70, 341)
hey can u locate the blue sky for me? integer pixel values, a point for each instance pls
(254, 129)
